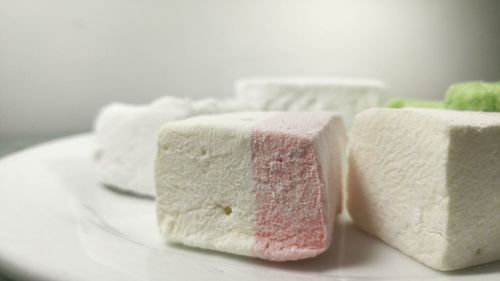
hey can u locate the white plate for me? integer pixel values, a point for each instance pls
(58, 223)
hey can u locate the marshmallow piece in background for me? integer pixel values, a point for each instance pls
(346, 96)
(418, 103)
(262, 184)
(474, 96)
(126, 138)
(427, 181)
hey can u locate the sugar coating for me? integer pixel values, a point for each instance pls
(126, 138)
(252, 184)
(292, 180)
(426, 182)
(346, 96)
(475, 96)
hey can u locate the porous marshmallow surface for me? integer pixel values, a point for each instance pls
(126, 138)
(346, 96)
(427, 182)
(259, 184)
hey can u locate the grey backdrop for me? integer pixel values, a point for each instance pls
(61, 60)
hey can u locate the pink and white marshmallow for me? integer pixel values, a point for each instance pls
(261, 184)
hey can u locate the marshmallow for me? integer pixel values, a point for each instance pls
(126, 137)
(262, 184)
(345, 96)
(474, 96)
(427, 181)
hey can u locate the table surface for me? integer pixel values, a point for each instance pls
(11, 145)
(3, 278)
(8, 146)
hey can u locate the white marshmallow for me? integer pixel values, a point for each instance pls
(428, 183)
(126, 138)
(345, 96)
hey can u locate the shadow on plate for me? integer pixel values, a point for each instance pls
(350, 246)
(122, 192)
(482, 269)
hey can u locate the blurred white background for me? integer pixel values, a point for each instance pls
(61, 60)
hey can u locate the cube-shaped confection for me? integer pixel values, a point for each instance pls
(263, 184)
(427, 181)
(346, 96)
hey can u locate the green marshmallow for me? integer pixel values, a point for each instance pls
(401, 103)
(474, 96)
